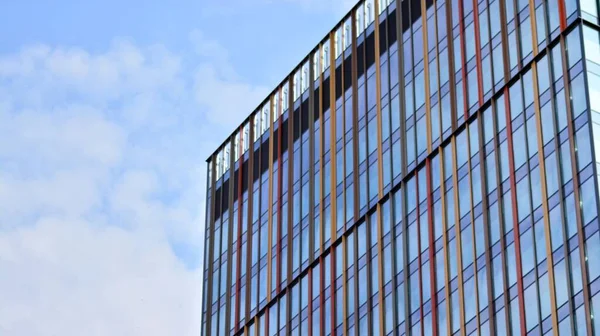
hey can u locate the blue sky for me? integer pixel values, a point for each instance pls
(108, 110)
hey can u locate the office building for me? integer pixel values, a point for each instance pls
(430, 168)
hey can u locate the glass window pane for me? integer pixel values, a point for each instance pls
(526, 40)
(467, 246)
(596, 320)
(482, 288)
(523, 201)
(573, 47)
(519, 150)
(527, 252)
(583, 144)
(561, 288)
(588, 201)
(545, 304)
(540, 241)
(592, 253)
(531, 309)
(498, 62)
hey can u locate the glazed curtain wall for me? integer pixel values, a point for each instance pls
(437, 178)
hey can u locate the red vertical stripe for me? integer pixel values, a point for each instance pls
(332, 298)
(310, 295)
(321, 295)
(562, 13)
(513, 196)
(266, 328)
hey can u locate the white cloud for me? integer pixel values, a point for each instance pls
(101, 173)
(337, 8)
(67, 278)
(219, 88)
(73, 132)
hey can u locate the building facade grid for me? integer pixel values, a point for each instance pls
(431, 168)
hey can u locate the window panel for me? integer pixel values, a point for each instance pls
(540, 241)
(486, 65)
(519, 151)
(440, 266)
(413, 247)
(433, 76)
(350, 257)
(526, 39)
(455, 311)
(410, 146)
(527, 252)
(532, 145)
(442, 319)
(592, 253)
(422, 135)
(472, 86)
(467, 247)
(576, 277)
(470, 40)
(573, 46)
(372, 133)
(490, 167)
(495, 23)
(583, 150)
(435, 122)
(452, 259)
(560, 283)
(426, 282)
(395, 113)
(400, 311)
(523, 201)
(483, 27)
(548, 125)
(497, 274)
(545, 303)
(446, 113)
(552, 177)
(508, 212)
(389, 314)
(596, 309)
(399, 254)
(504, 163)
(540, 20)
(419, 87)
(373, 180)
(578, 96)
(515, 321)
(536, 188)
(511, 265)
(512, 52)
(588, 201)
(385, 122)
(470, 299)
(374, 275)
(482, 288)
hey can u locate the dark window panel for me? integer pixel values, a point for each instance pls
(370, 50)
(326, 93)
(360, 60)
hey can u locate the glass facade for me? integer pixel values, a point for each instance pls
(431, 168)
